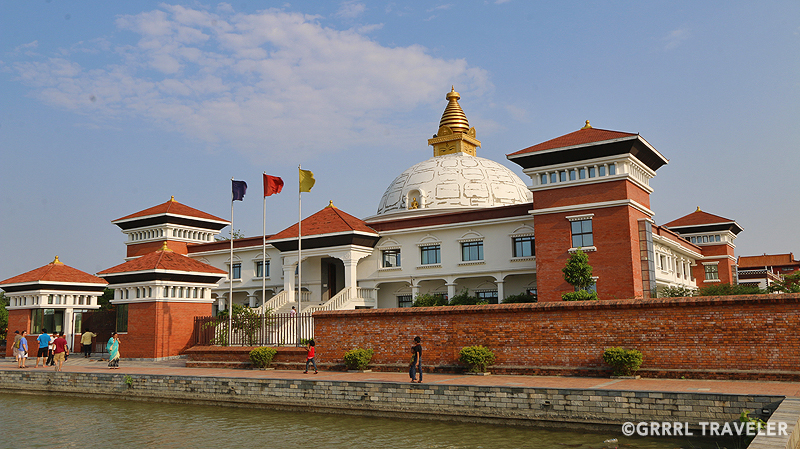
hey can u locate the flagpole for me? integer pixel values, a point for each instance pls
(264, 255)
(230, 279)
(299, 242)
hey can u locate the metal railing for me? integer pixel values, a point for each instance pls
(283, 329)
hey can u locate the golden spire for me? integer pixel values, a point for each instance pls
(453, 116)
(57, 262)
(587, 125)
(454, 134)
(698, 209)
(164, 247)
(172, 198)
(330, 204)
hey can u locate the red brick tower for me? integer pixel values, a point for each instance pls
(591, 191)
(715, 236)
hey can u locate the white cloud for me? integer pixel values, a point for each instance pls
(350, 9)
(675, 38)
(269, 84)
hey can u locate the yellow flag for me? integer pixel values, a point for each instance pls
(306, 180)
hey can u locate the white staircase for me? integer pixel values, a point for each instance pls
(348, 298)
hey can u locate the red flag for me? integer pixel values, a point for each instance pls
(272, 184)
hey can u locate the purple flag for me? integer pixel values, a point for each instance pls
(238, 188)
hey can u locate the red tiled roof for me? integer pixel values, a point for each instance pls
(696, 218)
(172, 207)
(55, 272)
(327, 221)
(767, 260)
(579, 137)
(163, 260)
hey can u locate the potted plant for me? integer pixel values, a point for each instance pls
(476, 358)
(358, 359)
(262, 357)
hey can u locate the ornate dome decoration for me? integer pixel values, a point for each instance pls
(454, 178)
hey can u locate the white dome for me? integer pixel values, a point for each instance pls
(454, 181)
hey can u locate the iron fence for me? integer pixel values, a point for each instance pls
(284, 329)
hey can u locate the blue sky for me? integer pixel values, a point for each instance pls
(108, 108)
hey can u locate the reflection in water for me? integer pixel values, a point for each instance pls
(54, 421)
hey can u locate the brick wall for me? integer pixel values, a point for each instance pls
(19, 320)
(710, 337)
(160, 329)
(616, 262)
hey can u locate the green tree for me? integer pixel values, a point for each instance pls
(789, 283)
(730, 290)
(463, 299)
(237, 234)
(104, 301)
(578, 273)
(675, 292)
(428, 300)
(3, 316)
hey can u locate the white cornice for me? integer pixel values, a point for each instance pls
(185, 300)
(600, 205)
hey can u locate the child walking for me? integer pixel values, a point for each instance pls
(310, 357)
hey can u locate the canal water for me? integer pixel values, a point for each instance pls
(33, 421)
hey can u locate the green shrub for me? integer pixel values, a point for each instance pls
(428, 300)
(580, 295)
(676, 292)
(358, 359)
(624, 362)
(262, 357)
(463, 299)
(521, 298)
(730, 290)
(476, 358)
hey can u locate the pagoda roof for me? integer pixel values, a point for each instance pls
(54, 273)
(767, 260)
(330, 220)
(165, 261)
(582, 136)
(699, 221)
(171, 208)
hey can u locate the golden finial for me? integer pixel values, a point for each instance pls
(172, 198)
(57, 262)
(330, 204)
(164, 247)
(698, 209)
(587, 125)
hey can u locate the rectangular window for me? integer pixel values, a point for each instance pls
(572, 175)
(553, 177)
(50, 319)
(582, 173)
(471, 251)
(391, 258)
(705, 239)
(236, 271)
(490, 296)
(612, 169)
(592, 172)
(122, 317)
(50, 299)
(430, 254)
(716, 238)
(602, 170)
(563, 176)
(404, 301)
(544, 178)
(524, 246)
(694, 239)
(712, 272)
(582, 234)
(260, 269)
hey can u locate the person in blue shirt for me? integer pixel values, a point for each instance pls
(22, 350)
(44, 341)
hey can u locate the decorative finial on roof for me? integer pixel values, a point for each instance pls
(164, 247)
(172, 198)
(453, 116)
(57, 262)
(698, 209)
(587, 125)
(330, 204)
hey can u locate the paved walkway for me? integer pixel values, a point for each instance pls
(178, 368)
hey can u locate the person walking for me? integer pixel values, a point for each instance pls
(416, 361)
(61, 351)
(86, 343)
(113, 351)
(44, 342)
(15, 346)
(310, 356)
(51, 350)
(22, 350)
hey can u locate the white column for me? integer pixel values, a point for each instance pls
(251, 297)
(288, 280)
(350, 273)
(451, 290)
(500, 293)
